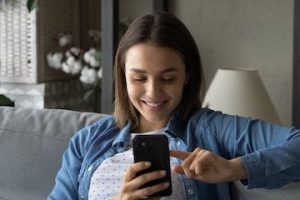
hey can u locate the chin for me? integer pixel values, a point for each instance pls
(157, 118)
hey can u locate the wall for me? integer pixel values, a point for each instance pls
(130, 9)
(247, 33)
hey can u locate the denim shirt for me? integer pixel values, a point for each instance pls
(269, 152)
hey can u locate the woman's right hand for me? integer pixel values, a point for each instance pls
(131, 190)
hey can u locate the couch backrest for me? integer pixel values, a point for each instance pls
(31, 147)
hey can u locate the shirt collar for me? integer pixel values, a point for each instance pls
(174, 128)
(124, 136)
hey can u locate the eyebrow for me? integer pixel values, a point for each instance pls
(170, 69)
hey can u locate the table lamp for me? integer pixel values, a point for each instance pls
(240, 91)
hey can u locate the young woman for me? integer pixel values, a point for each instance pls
(158, 86)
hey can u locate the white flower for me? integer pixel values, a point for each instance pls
(94, 62)
(68, 54)
(90, 57)
(70, 60)
(54, 60)
(100, 73)
(88, 75)
(71, 66)
(77, 67)
(87, 56)
(75, 51)
(94, 35)
(66, 68)
(65, 40)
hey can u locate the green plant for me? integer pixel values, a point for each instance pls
(5, 101)
(31, 5)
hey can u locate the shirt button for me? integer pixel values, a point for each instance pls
(190, 191)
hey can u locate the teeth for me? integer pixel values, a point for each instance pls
(153, 104)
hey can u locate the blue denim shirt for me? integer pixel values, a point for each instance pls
(269, 152)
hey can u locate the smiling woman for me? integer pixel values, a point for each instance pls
(158, 78)
(155, 77)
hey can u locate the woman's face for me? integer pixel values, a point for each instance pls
(155, 78)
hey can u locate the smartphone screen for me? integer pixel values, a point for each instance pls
(155, 149)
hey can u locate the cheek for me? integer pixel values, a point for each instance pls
(133, 91)
(129, 88)
(176, 93)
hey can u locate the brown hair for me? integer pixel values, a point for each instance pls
(163, 30)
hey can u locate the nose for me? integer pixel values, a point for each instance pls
(153, 89)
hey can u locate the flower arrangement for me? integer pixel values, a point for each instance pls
(84, 63)
(76, 61)
(73, 60)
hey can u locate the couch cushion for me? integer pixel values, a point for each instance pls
(288, 192)
(31, 147)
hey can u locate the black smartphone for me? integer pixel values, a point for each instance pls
(155, 149)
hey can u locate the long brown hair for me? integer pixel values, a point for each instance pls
(163, 30)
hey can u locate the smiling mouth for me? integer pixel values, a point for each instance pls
(154, 105)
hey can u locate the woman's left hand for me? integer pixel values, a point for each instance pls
(208, 167)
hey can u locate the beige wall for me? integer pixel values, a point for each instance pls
(245, 33)
(130, 9)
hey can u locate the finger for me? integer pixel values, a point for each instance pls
(179, 154)
(134, 168)
(196, 163)
(147, 191)
(178, 169)
(145, 178)
(186, 164)
(201, 162)
(189, 160)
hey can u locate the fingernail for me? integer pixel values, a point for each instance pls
(147, 164)
(163, 172)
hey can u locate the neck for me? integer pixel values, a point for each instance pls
(146, 126)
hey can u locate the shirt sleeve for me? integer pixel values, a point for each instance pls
(66, 181)
(270, 152)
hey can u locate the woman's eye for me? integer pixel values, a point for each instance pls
(168, 79)
(139, 79)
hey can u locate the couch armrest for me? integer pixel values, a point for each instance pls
(31, 146)
(287, 192)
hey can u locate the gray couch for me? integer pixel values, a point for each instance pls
(31, 147)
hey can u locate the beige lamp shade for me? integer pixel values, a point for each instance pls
(240, 91)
